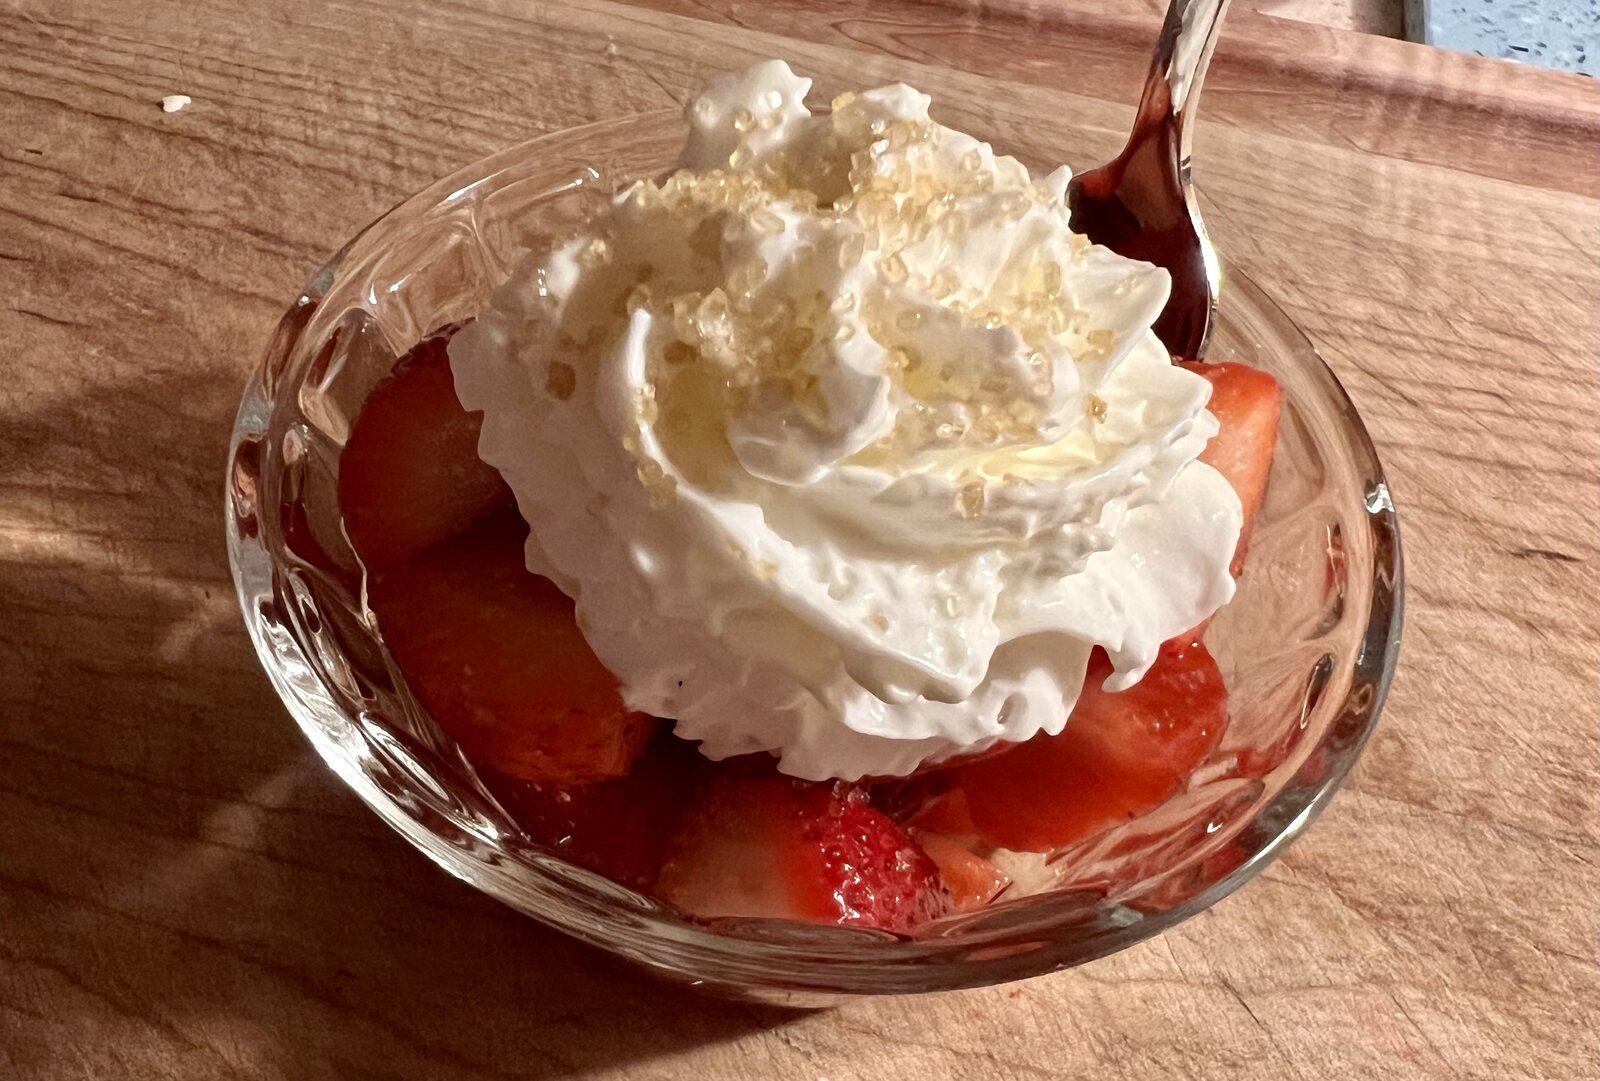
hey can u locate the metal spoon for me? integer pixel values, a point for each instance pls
(1141, 204)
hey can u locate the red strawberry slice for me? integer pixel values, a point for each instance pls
(970, 881)
(1247, 403)
(777, 848)
(495, 656)
(1120, 756)
(619, 828)
(410, 475)
(946, 811)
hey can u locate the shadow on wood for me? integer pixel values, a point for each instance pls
(176, 858)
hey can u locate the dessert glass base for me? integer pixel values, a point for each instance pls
(1307, 646)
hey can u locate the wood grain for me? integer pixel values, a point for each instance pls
(186, 893)
(1394, 98)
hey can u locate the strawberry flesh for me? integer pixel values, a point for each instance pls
(970, 881)
(410, 475)
(1247, 403)
(1120, 756)
(783, 849)
(619, 828)
(495, 656)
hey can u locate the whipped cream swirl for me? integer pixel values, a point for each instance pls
(846, 446)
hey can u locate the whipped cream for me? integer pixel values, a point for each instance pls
(846, 446)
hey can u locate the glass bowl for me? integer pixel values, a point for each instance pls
(1307, 646)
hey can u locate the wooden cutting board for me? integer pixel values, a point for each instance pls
(186, 893)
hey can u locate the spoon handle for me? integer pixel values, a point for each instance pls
(1188, 37)
(1141, 204)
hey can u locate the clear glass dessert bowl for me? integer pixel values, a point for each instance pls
(1307, 646)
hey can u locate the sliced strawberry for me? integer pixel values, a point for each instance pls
(777, 848)
(946, 812)
(495, 656)
(1120, 756)
(1246, 402)
(619, 828)
(970, 881)
(410, 475)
